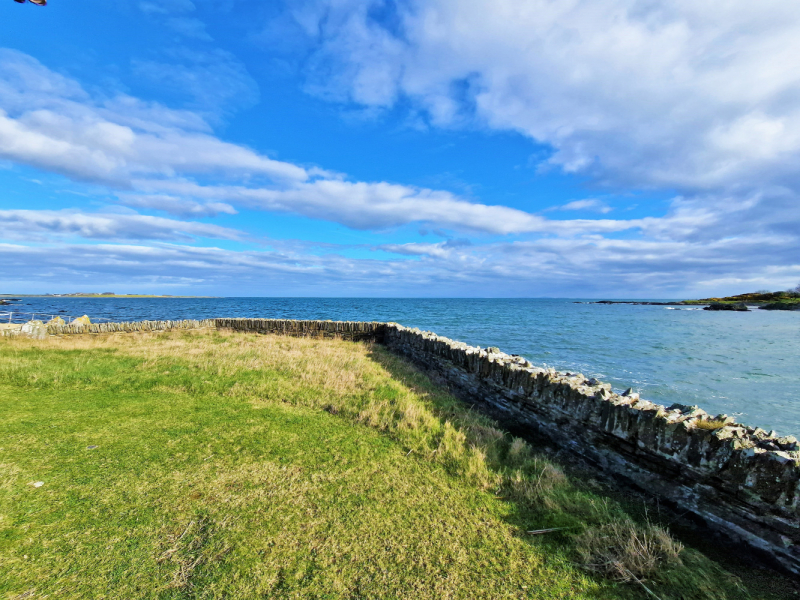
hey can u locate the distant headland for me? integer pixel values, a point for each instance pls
(788, 300)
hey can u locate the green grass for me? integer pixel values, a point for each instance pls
(243, 466)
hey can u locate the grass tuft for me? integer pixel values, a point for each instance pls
(626, 551)
(710, 424)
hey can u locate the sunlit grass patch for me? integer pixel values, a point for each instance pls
(207, 464)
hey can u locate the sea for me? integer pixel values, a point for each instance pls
(743, 364)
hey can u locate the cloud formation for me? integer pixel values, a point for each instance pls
(554, 267)
(48, 121)
(150, 153)
(685, 95)
(697, 101)
(370, 206)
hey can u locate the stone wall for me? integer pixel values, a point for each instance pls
(347, 330)
(77, 328)
(359, 331)
(740, 481)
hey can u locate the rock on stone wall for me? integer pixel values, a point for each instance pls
(32, 329)
(359, 331)
(741, 481)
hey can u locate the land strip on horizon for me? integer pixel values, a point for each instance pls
(100, 296)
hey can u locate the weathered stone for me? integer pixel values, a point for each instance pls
(788, 443)
(34, 329)
(735, 306)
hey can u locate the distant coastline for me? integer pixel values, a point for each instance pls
(99, 296)
(764, 300)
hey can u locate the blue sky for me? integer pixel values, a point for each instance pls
(420, 148)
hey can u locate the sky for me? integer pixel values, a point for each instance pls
(419, 148)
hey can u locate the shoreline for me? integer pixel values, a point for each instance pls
(713, 305)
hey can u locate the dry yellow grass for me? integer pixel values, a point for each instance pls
(625, 552)
(710, 424)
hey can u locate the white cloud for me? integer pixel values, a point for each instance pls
(180, 207)
(381, 205)
(53, 125)
(439, 250)
(589, 204)
(44, 225)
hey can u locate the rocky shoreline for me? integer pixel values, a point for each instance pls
(742, 303)
(637, 303)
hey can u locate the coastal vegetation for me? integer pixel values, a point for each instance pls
(205, 464)
(788, 300)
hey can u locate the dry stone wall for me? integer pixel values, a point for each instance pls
(129, 327)
(347, 330)
(741, 481)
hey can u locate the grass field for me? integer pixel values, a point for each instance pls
(213, 465)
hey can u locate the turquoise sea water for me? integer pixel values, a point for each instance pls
(744, 364)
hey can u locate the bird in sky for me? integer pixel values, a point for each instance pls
(37, 2)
